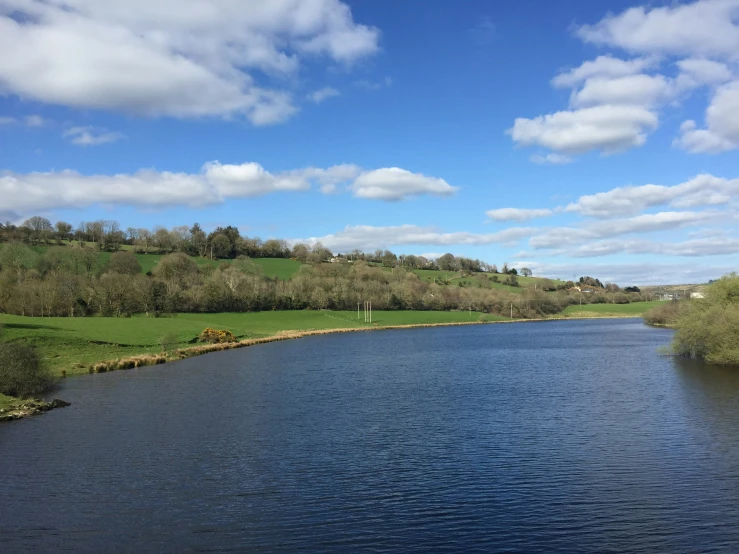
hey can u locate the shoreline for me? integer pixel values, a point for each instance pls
(31, 406)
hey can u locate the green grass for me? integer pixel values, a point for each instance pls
(282, 268)
(633, 309)
(7, 402)
(72, 344)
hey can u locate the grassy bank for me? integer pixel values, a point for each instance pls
(8, 402)
(73, 344)
(635, 309)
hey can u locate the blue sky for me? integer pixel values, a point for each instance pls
(575, 138)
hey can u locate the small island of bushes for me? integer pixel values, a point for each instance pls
(706, 328)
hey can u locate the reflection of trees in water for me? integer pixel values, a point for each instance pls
(711, 400)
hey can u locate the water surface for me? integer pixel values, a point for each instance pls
(562, 436)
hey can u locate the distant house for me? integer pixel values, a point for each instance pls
(667, 296)
(697, 295)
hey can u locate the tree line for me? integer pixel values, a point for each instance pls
(223, 243)
(64, 281)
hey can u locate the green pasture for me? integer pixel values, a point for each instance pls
(72, 344)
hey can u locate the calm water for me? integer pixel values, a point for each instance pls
(563, 436)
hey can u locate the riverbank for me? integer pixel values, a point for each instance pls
(15, 408)
(74, 346)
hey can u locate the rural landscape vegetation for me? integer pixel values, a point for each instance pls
(95, 298)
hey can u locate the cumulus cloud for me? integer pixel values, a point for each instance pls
(702, 190)
(702, 28)
(394, 183)
(722, 124)
(630, 90)
(702, 71)
(608, 128)
(320, 95)
(167, 58)
(602, 67)
(91, 136)
(216, 182)
(517, 214)
(639, 88)
(367, 237)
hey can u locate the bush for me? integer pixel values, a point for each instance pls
(664, 314)
(168, 341)
(709, 329)
(21, 371)
(216, 336)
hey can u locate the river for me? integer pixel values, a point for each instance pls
(561, 437)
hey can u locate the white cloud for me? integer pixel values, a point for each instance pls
(705, 27)
(722, 124)
(640, 274)
(661, 221)
(367, 237)
(690, 248)
(91, 136)
(394, 183)
(602, 67)
(709, 51)
(701, 71)
(517, 214)
(631, 90)
(551, 158)
(34, 192)
(251, 179)
(583, 237)
(320, 95)
(558, 237)
(607, 128)
(7, 120)
(702, 190)
(167, 58)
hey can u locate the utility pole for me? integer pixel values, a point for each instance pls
(511, 310)
(357, 310)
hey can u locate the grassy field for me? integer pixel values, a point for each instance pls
(72, 344)
(633, 309)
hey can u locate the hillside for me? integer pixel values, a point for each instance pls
(285, 268)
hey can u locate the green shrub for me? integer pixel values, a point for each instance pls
(168, 341)
(216, 336)
(709, 328)
(664, 314)
(21, 371)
